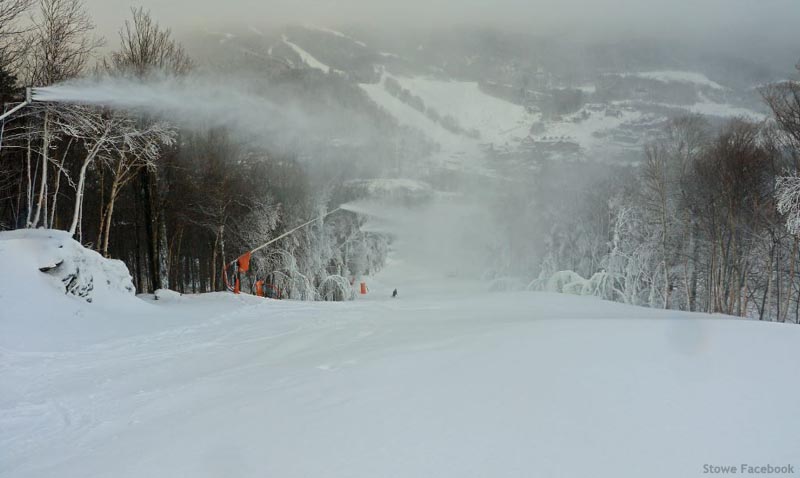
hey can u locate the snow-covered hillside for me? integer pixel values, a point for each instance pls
(496, 120)
(479, 104)
(446, 380)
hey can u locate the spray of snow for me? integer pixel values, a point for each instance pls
(444, 234)
(245, 107)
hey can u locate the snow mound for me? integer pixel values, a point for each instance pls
(565, 282)
(167, 295)
(600, 284)
(48, 260)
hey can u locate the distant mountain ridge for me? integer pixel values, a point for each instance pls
(498, 95)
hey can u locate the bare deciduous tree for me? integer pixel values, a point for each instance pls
(784, 100)
(62, 42)
(13, 41)
(146, 47)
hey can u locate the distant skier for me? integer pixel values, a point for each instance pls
(394, 294)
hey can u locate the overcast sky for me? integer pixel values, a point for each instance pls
(740, 19)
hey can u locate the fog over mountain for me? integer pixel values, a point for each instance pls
(735, 20)
(449, 94)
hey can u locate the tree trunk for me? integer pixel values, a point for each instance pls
(155, 228)
(140, 264)
(198, 278)
(778, 285)
(163, 251)
(214, 264)
(150, 228)
(222, 246)
(30, 186)
(768, 292)
(51, 220)
(693, 277)
(797, 309)
(106, 229)
(179, 271)
(790, 286)
(76, 214)
(43, 188)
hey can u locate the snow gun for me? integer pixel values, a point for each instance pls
(242, 262)
(30, 97)
(28, 100)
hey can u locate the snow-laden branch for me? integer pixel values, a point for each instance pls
(788, 201)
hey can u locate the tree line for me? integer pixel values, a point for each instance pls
(709, 221)
(175, 205)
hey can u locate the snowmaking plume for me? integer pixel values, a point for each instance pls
(444, 235)
(199, 102)
(437, 231)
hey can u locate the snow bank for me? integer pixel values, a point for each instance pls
(51, 262)
(51, 287)
(167, 295)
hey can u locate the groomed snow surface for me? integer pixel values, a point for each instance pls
(444, 381)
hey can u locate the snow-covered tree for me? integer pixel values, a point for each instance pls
(58, 46)
(788, 201)
(109, 136)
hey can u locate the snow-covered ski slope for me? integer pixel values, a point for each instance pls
(306, 57)
(496, 121)
(445, 381)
